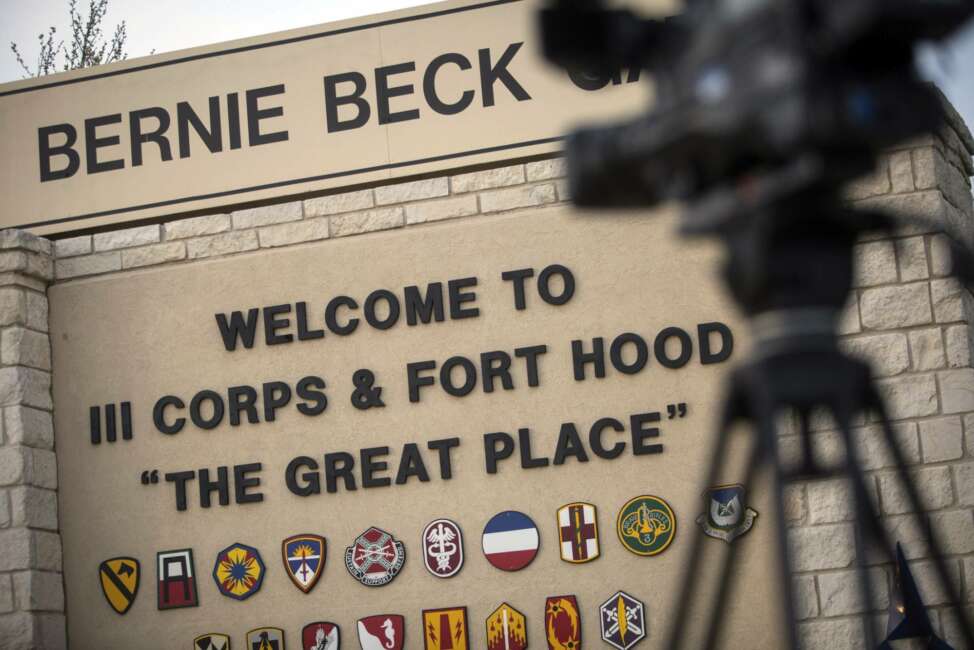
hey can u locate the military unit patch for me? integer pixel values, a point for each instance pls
(507, 629)
(375, 558)
(120, 582)
(176, 579)
(238, 571)
(445, 629)
(212, 642)
(265, 638)
(304, 559)
(321, 636)
(443, 548)
(510, 540)
(562, 623)
(382, 632)
(578, 533)
(623, 621)
(728, 517)
(646, 525)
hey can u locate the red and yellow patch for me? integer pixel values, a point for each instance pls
(445, 629)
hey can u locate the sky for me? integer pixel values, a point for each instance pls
(166, 25)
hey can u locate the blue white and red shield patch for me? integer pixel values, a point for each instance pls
(304, 559)
(623, 621)
(728, 516)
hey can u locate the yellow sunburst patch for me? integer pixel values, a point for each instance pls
(239, 571)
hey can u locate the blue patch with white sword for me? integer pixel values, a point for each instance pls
(728, 516)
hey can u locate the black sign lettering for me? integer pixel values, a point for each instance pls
(429, 85)
(138, 137)
(490, 74)
(334, 102)
(256, 114)
(49, 151)
(384, 93)
(93, 142)
(211, 136)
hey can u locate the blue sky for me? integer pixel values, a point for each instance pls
(952, 67)
(176, 24)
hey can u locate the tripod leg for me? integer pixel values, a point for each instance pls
(725, 582)
(967, 629)
(731, 412)
(761, 408)
(808, 464)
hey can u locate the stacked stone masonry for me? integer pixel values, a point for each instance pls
(488, 192)
(912, 321)
(906, 315)
(31, 588)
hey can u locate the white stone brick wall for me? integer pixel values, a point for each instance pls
(488, 192)
(913, 323)
(31, 587)
(905, 315)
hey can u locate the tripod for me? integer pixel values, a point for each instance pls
(765, 111)
(790, 268)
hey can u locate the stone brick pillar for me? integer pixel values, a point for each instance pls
(913, 322)
(31, 585)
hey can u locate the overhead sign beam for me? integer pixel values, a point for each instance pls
(415, 92)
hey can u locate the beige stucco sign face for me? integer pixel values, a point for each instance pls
(365, 388)
(441, 86)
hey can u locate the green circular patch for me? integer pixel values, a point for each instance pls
(646, 525)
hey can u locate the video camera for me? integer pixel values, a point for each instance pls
(756, 99)
(765, 110)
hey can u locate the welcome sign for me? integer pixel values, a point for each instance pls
(437, 428)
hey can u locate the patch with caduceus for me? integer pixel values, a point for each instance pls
(443, 548)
